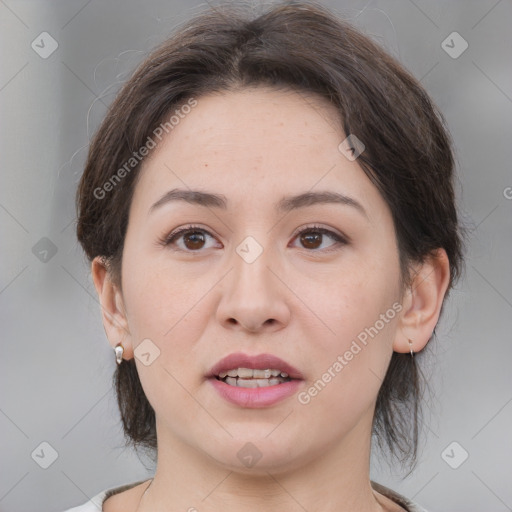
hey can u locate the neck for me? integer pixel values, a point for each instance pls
(335, 480)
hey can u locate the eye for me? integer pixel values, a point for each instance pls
(193, 238)
(312, 238)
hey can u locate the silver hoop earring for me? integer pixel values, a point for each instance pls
(410, 347)
(119, 350)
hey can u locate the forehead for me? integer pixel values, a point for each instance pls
(256, 144)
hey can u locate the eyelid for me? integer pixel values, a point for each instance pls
(166, 240)
(330, 232)
(333, 233)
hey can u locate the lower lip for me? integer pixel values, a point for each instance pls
(256, 397)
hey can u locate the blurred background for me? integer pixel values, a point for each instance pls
(62, 63)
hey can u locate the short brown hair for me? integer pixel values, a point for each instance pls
(304, 47)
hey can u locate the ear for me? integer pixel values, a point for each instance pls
(112, 305)
(422, 303)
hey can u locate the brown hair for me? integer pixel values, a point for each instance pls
(304, 47)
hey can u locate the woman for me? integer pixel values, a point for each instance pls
(269, 214)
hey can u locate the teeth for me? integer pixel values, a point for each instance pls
(261, 374)
(254, 383)
(245, 373)
(247, 383)
(248, 373)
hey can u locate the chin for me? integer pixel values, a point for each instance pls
(254, 455)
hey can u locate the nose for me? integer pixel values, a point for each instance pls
(254, 297)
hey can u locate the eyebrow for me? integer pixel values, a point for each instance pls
(284, 205)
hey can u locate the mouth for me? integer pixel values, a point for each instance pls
(253, 378)
(257, 381)
(243, 370)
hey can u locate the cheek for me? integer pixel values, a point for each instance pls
(358, 308)
(350, 364)
(169, 308)
(157, 296)
(351, 298)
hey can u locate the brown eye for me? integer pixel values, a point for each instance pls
(311, 241)
(194, 240)
(189, 239)
(312, 238)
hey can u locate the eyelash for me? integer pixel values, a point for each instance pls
(169, 239)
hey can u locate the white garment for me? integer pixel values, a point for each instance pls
(95, 504)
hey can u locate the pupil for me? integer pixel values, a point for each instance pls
(196, 238)
(196, 242)
(312, 238)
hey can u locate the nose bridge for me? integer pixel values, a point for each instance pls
(251, 272)
(252, 296)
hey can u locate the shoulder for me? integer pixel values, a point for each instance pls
(96, 503)
(404, 502)
(93, 505)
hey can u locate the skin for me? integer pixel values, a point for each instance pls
(198, 307)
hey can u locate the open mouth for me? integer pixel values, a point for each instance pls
(249, 378)
(254, 381)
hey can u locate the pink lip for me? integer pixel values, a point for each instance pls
(255, 397)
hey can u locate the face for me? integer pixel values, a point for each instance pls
(314, 283)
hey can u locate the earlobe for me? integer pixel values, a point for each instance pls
(112, 307)
(423, 302)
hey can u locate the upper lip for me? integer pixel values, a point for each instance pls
(257, 362)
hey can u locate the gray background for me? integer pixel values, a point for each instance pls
(56, 364)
